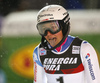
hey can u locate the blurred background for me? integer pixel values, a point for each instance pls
(19, 36)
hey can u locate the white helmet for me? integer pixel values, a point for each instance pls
(52, 12)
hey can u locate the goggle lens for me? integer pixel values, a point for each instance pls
(52, 26)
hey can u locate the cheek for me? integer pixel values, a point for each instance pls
(59, 35)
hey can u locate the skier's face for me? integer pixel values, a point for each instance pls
(54, 39)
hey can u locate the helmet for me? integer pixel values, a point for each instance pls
(53, 13)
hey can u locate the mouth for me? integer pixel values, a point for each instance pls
(52, 41)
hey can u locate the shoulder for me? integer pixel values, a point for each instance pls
(87, 50)
(36, 49)
(35, 53)
(86, 46)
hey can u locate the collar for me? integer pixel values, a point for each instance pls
(59, 48)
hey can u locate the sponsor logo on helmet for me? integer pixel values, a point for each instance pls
(44, 15)
(65, 13)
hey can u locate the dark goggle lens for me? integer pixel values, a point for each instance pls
(52, 26)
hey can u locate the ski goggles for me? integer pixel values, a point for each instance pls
(51, 26)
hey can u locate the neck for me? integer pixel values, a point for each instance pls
(59, 48)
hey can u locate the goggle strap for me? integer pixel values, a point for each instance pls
(66, 19)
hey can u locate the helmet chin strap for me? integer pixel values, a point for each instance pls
(44, 42)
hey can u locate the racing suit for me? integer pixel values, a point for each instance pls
(75, 61)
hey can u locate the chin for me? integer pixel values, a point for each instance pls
(53, 45)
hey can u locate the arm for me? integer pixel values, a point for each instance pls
(90, 62)
(39, 73)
